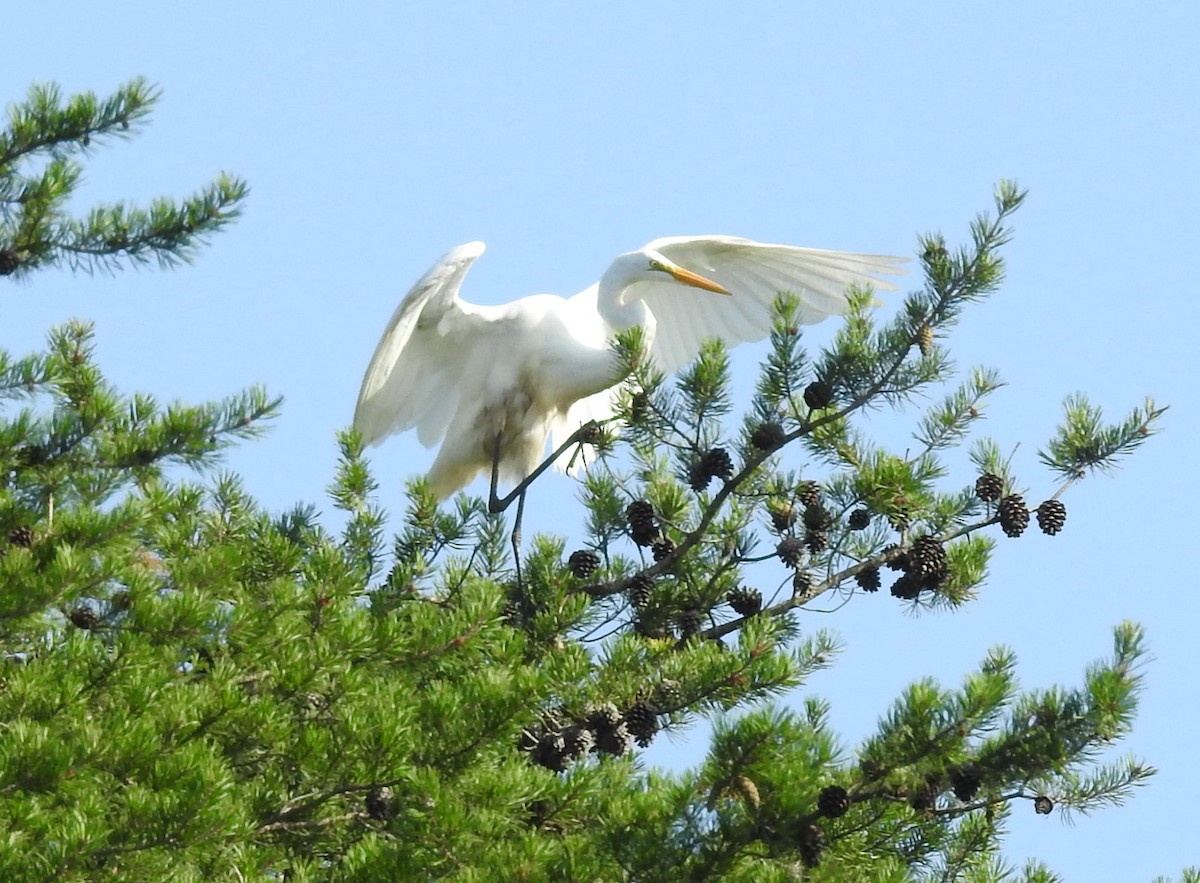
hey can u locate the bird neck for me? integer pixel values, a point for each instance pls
(617, 301)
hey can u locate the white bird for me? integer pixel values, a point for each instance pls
(507, 379)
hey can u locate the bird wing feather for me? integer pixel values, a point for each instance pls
(414, 379)
(754, 273)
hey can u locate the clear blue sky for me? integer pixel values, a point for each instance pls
(378, 135)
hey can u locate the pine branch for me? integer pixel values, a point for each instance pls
(36, 229)
(165, 232)
(1084, 441)
(43, 122)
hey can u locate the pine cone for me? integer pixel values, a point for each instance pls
(768, 436)
(1043, 805)
(643, 526)
(817, 517)
(718, 463)
(816, 541)
(644, 534)
(925, 339)
(809, 493)
(745, 786)
(639, 590)
(965, 782)
(790, 551)
(906, 588)
(31, 455)
(617, 741)
(1014, 515)
(714, 463)
(583, 563)
(818, 395)
(639, 406)
(381, 803)
(690, 621)
(8, 262)
(21, 535)
(989, 487)
(84, 617)
(924, 798)
(550, 752)
(859, 519)
(578, 741)
(1051, 516)
(642, 721)
(667, 696)
(660, 549)
(802, 582)
(895, 561)
(745, 601)
(639, 510)
(650, 627)
(833, 802)
(603, 716)
(783, 515)
(608, 727)
(927, 562)
(868, 580)
(811, 843)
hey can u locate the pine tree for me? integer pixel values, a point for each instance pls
(194, 688)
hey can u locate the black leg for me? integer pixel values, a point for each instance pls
(516, 536)
(499, 504)
(495, 504)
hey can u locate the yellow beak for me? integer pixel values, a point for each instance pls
(687, 277)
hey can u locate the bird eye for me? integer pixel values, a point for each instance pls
(657, 265)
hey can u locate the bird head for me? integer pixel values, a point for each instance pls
(660, 264)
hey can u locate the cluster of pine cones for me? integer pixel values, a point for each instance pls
(1012, 512)
(815, 518)
(604, 730)
(922, 564)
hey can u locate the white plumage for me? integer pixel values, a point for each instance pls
(539, 367)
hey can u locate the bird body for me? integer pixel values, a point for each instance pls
(507, 379)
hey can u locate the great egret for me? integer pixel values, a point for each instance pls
(498, 382)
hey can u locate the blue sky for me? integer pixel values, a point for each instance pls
(377, 135)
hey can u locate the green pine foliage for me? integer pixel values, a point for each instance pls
(194, 688)
(40, 151)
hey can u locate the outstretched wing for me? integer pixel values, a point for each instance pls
(414, 379)
(754, 273)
